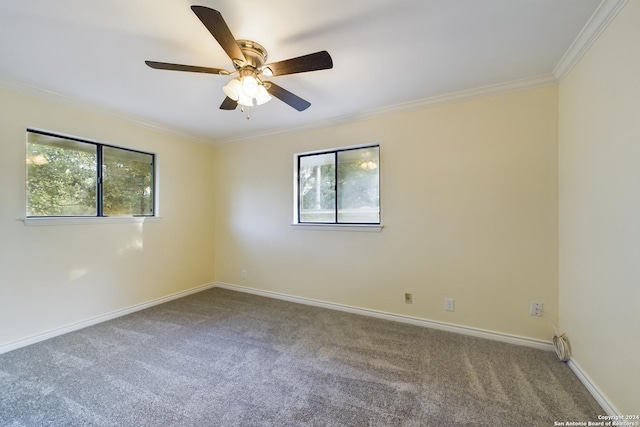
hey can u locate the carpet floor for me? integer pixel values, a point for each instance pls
(225, 358)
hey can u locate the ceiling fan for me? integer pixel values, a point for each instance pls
(248, 57)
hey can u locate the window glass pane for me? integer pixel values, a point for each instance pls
(358, 186)
(316, 188)
(61, 177)
(127, 182)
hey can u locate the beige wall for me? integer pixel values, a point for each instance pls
(53, 276)
(469, 206)
(600, 211)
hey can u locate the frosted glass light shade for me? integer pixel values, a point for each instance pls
(245, 100)
(247, 91)
(250, 86)
(263, 96)
(233, 89)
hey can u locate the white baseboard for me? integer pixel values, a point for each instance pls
(13, 345)
(593, 389)
(443, 326)
(602, 400)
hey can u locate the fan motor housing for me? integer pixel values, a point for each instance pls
(254, 53)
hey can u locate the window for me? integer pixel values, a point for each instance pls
(340, 186)
(72, 177)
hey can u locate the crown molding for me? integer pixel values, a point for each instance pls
(38, 92)
(606, 11)
(604, 14)
(448, 98)
(433, 101)
(455, 97)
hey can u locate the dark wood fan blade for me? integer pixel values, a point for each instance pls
(212, 19)
(228, 104)
(180, 67)
(302, 64)
(287, 97)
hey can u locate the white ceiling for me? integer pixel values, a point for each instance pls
(385, 53)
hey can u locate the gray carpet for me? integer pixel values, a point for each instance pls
(224, 358)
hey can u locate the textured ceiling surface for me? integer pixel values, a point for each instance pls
(385, 53)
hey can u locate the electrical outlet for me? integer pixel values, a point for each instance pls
(408, 299)
(536, 308)
(244, 274)
(449, 304)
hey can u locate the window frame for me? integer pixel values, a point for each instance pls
(100, 217)
(334, 226)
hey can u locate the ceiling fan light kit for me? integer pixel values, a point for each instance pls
(247, 90)
(248, 58)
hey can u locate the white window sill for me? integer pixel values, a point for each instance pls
(89, 220)
(372, 228)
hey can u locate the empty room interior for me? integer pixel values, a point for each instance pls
(497, 210)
